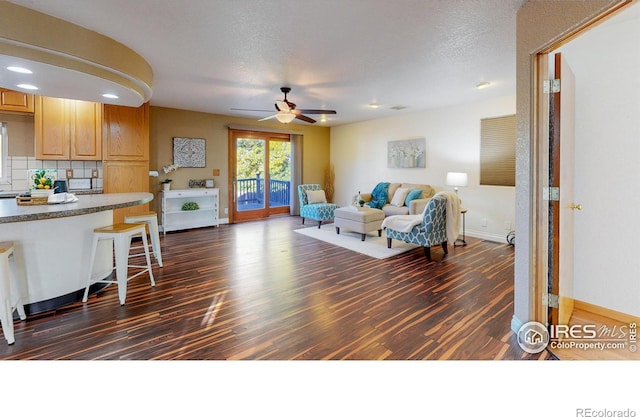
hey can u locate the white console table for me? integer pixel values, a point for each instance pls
(174, 218)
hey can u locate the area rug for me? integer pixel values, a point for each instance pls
(373, 246)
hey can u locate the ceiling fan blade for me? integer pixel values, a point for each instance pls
(282, 106)
(270, 111)
(316, 111)
(267, 118)
(305, 118)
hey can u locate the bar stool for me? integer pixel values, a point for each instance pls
(6, 305)
(120, 234)
(151, 219)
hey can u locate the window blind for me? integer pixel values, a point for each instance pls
(498, 151)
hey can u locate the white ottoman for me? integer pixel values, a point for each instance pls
(362, 220)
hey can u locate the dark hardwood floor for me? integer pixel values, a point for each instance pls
(261, 291)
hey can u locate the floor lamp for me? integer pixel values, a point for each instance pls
(459, 179)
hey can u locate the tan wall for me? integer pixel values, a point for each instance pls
(539, 25)
(20, 129)
(166, 123)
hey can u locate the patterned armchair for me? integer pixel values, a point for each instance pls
(430, 232)
(318, 211)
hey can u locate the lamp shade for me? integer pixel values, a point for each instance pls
(285, 116)
(457, 179)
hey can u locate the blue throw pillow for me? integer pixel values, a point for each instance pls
(413, 195)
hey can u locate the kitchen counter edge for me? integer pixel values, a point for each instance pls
(11, 212)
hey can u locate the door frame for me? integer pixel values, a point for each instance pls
(540, 165)
(258, 135)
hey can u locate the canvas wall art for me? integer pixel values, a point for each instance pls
(410, 153)
(189, 152)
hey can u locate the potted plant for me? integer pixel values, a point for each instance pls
(42, 185)
(166, 184)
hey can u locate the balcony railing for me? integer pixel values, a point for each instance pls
(250, 193)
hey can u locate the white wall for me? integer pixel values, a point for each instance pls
(359, 155)
(607, 157)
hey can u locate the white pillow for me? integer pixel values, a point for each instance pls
(315, 197)
(399, 196)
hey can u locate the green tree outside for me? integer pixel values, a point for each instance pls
(250, 159)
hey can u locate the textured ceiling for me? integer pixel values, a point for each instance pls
(212, 56)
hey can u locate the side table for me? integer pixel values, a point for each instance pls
(463, 211)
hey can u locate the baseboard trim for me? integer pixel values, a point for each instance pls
(486, 236)
(220, 221)
(605, 312)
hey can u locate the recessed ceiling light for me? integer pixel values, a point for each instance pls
(374, 105)
(483, 84)
(109, 95)
(21, 70)
(28, 86)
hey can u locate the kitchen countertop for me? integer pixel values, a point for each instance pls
(11, 212)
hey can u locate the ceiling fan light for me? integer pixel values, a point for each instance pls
(285, 117)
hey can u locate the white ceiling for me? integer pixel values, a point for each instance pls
(212, 56)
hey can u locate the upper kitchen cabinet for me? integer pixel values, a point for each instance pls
(126, 133)
(68, 129)
(15, 101)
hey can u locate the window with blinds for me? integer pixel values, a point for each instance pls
(498, 151)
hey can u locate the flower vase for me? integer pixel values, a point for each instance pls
(166, 186)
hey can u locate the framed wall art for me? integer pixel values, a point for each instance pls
(410, 153)
(189, 152)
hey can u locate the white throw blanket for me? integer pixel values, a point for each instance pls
(404, 223)
(452, 222)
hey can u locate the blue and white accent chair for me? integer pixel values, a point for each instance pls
(431, 231)
(318, 211)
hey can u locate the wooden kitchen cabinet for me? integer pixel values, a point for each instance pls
(68, 129)
(16, 101)
(126, 133)
(126, 177)
(125, 151)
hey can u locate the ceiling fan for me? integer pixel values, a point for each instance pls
(287, 110)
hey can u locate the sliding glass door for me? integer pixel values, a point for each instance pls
(261, 174)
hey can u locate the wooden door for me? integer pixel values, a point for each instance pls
(562, 121)
(260, 185)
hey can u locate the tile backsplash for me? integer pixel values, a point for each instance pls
(19, 166)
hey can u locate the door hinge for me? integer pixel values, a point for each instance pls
(551, 193)
(551, 86)
(551, 300)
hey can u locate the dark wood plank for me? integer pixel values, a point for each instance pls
(261, 291)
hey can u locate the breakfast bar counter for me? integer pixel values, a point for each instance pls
(52, 244)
